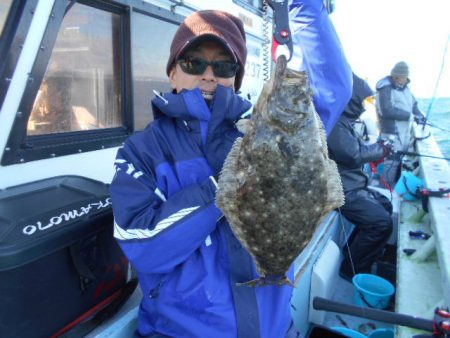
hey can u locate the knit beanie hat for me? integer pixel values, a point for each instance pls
(218, 26)
(400, 69)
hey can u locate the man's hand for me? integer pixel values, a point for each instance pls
(420, 119)
(388, 148)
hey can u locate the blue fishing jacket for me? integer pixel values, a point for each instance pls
(169, 227)
(318, 51)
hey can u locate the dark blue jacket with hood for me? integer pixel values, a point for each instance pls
(346, 147)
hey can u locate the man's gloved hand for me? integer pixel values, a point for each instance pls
(420, 119)
(388, 149)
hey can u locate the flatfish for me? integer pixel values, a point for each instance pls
(277, 182)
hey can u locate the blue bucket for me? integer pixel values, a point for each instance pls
(348, 332)
(382, 333)
(372, 291)
(407, 184)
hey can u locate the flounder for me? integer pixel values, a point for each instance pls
(277, 182)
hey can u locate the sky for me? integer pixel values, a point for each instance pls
(376, 34)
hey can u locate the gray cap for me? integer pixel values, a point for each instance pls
(400, 69)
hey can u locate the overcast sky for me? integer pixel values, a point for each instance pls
(378, 33)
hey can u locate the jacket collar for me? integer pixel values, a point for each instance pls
(396, 86)
(190, 104)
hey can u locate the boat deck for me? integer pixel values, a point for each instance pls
(418, 289)
(423, 278)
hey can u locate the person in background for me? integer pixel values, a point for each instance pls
(367, 209)
(396, 109)
(188, 261)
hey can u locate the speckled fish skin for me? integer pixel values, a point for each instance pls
(277, 182)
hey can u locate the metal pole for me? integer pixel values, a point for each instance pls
(374, 314)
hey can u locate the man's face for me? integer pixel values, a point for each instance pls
(400, 80)
(207, 81)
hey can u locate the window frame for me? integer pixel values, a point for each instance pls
(21, 147)
(256, 10)
(12, 38)
(152, 11)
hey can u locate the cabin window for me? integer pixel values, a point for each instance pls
(252, 5)
(93, 78)
(149, 63)
(15, 20)
(5, 6)
(81, 86)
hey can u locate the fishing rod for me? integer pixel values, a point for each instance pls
(437, 81)
(411, 153)
(439, 325)
(435, 126)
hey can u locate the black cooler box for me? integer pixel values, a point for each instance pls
(59, 262)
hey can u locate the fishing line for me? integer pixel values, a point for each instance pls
(437, 81)
(410, 153)
(440, 128)
(347, 237)
(346, 241)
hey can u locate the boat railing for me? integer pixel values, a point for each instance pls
(436, 174)
(423, 266)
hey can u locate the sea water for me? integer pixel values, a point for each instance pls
(439, 116)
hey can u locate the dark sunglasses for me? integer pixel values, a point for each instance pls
(196, 66)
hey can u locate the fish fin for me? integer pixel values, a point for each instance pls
(335, 197)
(228, 185)
(262, 99)
(322, 135)
(335, 190)
(228, 181)
(264, 281)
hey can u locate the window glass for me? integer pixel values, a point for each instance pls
(81, 87)
(256, 4)
(254, 70)
(151, 39)
(5, 5)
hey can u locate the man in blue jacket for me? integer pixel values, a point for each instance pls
(186, 257)
(367, 209)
